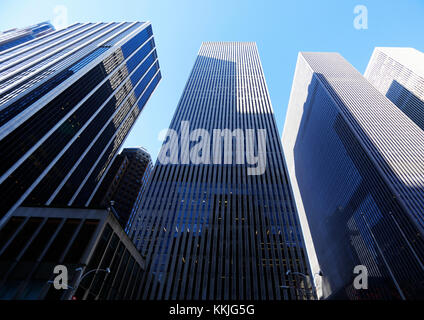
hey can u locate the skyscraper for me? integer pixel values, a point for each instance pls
(398, 73)
(67, 102)
(124, 182)
(134, 219)
(225, 228)
(14, 37)
(356, 163)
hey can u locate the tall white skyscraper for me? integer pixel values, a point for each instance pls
(356, 163)
(398, 73)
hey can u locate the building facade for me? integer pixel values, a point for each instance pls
(216, 229)
(125, 182)
(398, 73)
(134, 218)
(356, 163)
(16, 37)
(67, 102)
(86, 241)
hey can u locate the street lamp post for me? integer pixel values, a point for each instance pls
(295, 288)
(79, 279)
(306, 278)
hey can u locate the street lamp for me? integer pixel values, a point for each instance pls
(295, 288)
(303, 275)
(107, 270)
(79, 279)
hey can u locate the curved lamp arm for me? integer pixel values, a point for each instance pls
(107, 270)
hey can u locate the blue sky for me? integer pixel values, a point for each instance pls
(280, 28)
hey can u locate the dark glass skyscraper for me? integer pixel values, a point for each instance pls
(356, 163)
(67, 102)
(214, 229)
(124, 183)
